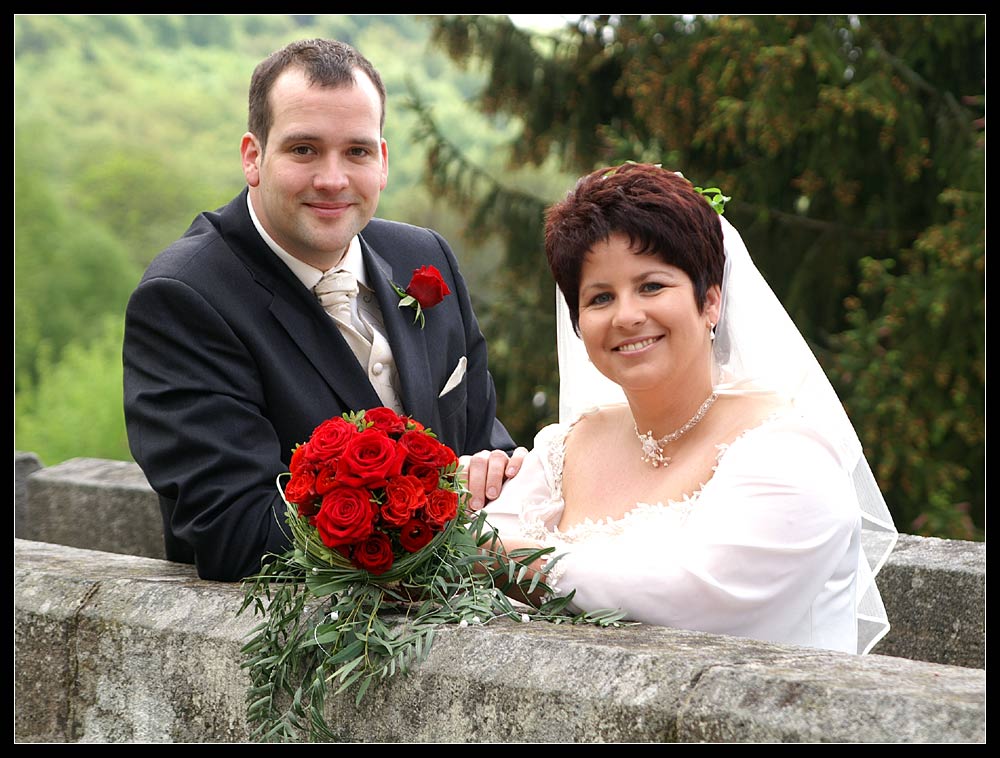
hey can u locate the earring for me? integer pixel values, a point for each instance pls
(711, 331)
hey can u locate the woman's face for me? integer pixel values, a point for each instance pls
(639, 319)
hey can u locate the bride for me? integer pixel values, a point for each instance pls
(704, 474)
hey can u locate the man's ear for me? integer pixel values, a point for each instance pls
(252, 154)
(385, 164)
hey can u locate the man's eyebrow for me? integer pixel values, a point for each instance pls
(294, 137)
(299, 137)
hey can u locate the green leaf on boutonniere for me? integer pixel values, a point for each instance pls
(408, 301)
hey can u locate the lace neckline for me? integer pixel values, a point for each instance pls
(608, 525)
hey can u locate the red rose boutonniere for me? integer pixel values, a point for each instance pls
(426, 289)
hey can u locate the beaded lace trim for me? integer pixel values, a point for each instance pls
(638, 517)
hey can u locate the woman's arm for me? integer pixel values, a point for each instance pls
(527, 498)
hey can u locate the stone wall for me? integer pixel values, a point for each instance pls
(113, 644)
(934, 590)
(115, 648)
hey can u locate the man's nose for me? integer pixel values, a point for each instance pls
(330, 175)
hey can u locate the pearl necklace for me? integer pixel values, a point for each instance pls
(652, 449)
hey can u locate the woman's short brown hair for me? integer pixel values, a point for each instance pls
(658, 210)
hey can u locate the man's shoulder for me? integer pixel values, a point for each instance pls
(202, 246)
(380, 230)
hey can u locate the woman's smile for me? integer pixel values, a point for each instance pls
(635, 346)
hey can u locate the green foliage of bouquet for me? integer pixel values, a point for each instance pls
(383, 552)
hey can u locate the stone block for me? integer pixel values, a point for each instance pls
(25, 464)
(934, 592)
(94, 504)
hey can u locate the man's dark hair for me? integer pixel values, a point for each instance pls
(326, 62)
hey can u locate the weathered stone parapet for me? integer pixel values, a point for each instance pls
(116, 648)
(94, 504)
(25, 464)
(934, 590)
(113, 648)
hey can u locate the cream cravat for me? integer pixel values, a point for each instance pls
(335, 292)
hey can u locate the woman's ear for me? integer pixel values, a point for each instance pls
(713, 304)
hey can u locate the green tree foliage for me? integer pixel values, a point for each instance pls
(126, 127)
(844, 142)
(68, 272)
(925, 345)
(75, 408)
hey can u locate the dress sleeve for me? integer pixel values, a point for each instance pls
(776, 522)
(533, 497)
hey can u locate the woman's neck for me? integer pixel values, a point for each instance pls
(662, 413)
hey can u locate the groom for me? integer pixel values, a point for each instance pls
(281, 309)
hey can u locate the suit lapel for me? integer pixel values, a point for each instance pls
(319, 339)
(299, 313)
(408, 341)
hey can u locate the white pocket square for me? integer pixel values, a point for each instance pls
(455, 378)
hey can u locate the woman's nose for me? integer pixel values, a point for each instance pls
(628, 312)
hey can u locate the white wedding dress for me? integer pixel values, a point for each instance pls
(781, 544)
(732, 558)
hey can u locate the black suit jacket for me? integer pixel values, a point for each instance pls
(229, 362)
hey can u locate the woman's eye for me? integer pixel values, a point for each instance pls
(651, 287)
(600, 299)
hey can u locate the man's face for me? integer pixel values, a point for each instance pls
(317, 182)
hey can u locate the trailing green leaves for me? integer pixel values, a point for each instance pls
(329, 629)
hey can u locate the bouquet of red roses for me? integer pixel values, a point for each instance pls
(377, 487)
(383, 552)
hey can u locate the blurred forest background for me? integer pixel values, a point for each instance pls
(853, 148)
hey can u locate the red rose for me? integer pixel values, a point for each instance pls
(414, 535)
(326, 478)
(298, 461)
(413, 425)
(422, 449)
(429, 476)
(403, 496)
(442, 507)
(386, 420)
(369, 460)
(329, 440)
(427, 287)
(301, 488)
(347, 516)
(374, 554)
